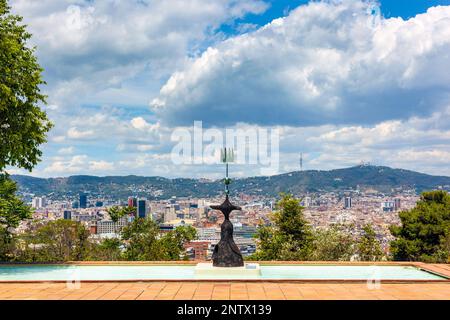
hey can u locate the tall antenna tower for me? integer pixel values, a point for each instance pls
(301, 161)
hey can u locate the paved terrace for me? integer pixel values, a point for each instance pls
(235, 290)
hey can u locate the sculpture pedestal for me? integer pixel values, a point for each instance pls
(208, 271)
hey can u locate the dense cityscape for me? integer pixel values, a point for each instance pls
(354, 209)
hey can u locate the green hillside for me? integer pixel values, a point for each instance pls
(383, 179)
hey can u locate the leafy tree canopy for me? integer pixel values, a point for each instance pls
(143, 241)
(141, 238)
(173, 242)
(55, 241)
(369, 248)
(424, 233)
(23, 124)
(333, 244)
(12, 209)
(107, 250)
(66, 240)
(289, 237)
(116, 212)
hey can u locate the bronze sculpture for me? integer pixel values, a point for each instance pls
(226, 252)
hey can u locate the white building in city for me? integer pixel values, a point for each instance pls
(38, 202)
(111, 227)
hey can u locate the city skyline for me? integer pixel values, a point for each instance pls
(364, 85)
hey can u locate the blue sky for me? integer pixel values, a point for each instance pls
(389, 8)
(341, 83)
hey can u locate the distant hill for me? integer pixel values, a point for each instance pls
(382, 179)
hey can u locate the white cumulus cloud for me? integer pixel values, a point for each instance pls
(328, 62)
(75, 133)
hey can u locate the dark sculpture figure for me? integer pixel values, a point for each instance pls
(226, 252)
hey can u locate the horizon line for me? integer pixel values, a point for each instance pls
(235, 178)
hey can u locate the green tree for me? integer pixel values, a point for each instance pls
(128, 211)
(333, 244)
(7, 245)
(12, 211)
(143, 241)
(369, 248)
(173, 242)
(289, 237)
(106, 250)
(115, 213)
(59, 241)
(23, 124)
(25, 248)
(424, 232)
(443, 253)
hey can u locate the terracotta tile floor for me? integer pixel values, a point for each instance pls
(222, 291)
(235, 290)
